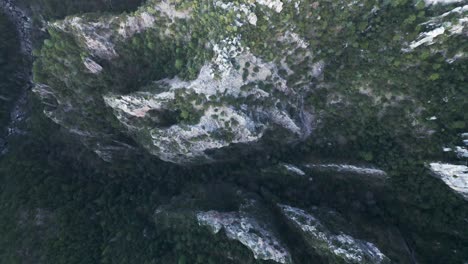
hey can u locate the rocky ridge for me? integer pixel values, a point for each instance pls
(335, 247)
(443, 28)
(249, 232)
(237, 97)
(454, 176)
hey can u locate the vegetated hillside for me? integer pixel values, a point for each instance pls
(189, 82)
(327, 111)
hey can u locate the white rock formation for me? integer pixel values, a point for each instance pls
(244, 11)
(294, 169)
(236, 98)
(249, 232)
(95, 35)
(135, 24)
(345, 168)
(427, 38)
(327, 244)
(168, 9)
(441, 26)
(462, 152)
(99, 36)
(276, 5)
(441, 2)
(143, 19)
(232, 123)
(454, 176)
(92, 66)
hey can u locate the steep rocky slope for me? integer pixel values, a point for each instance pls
(231, 97)
(333, 115)
(191, 82)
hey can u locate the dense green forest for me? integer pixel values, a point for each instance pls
(60, 203)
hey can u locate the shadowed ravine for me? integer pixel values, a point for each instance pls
(23, 25)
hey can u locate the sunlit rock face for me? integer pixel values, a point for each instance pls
(442, 29)
(236, 97)
(193, 82)
(462, 151)
(224, 109)
(346, 168)
(247, 230)
(442, 2)
(336, 247)
(237, 217)
(454, 176)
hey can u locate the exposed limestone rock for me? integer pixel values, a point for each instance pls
(276, 5)
(246, 10)
(345, 168)
(442, 26)
(461, 151)
(441, 2)
(230, 123)
(247, 221)
(427, 38)
(92, 66)
(47, 95)
(238, 97)
(249, 232)
(99, 35)
(454, 176)
(135, 24)
(294, 169)
(339, 247)
(94, 34)
(167, 8)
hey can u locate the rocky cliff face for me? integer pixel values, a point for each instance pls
(338, 247)
(236, 97)
(455, 176)
(190, 81)
(279, 233)
(345, 100)
(441, 29)
(239, 226)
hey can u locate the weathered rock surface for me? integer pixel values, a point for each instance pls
(220, 123)
(462, 151)
(248, 222)
(237, 98)
(454, 176)
(441, 2)
(335, 247)
(249, 232)
(351, 169)
(441, 29)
